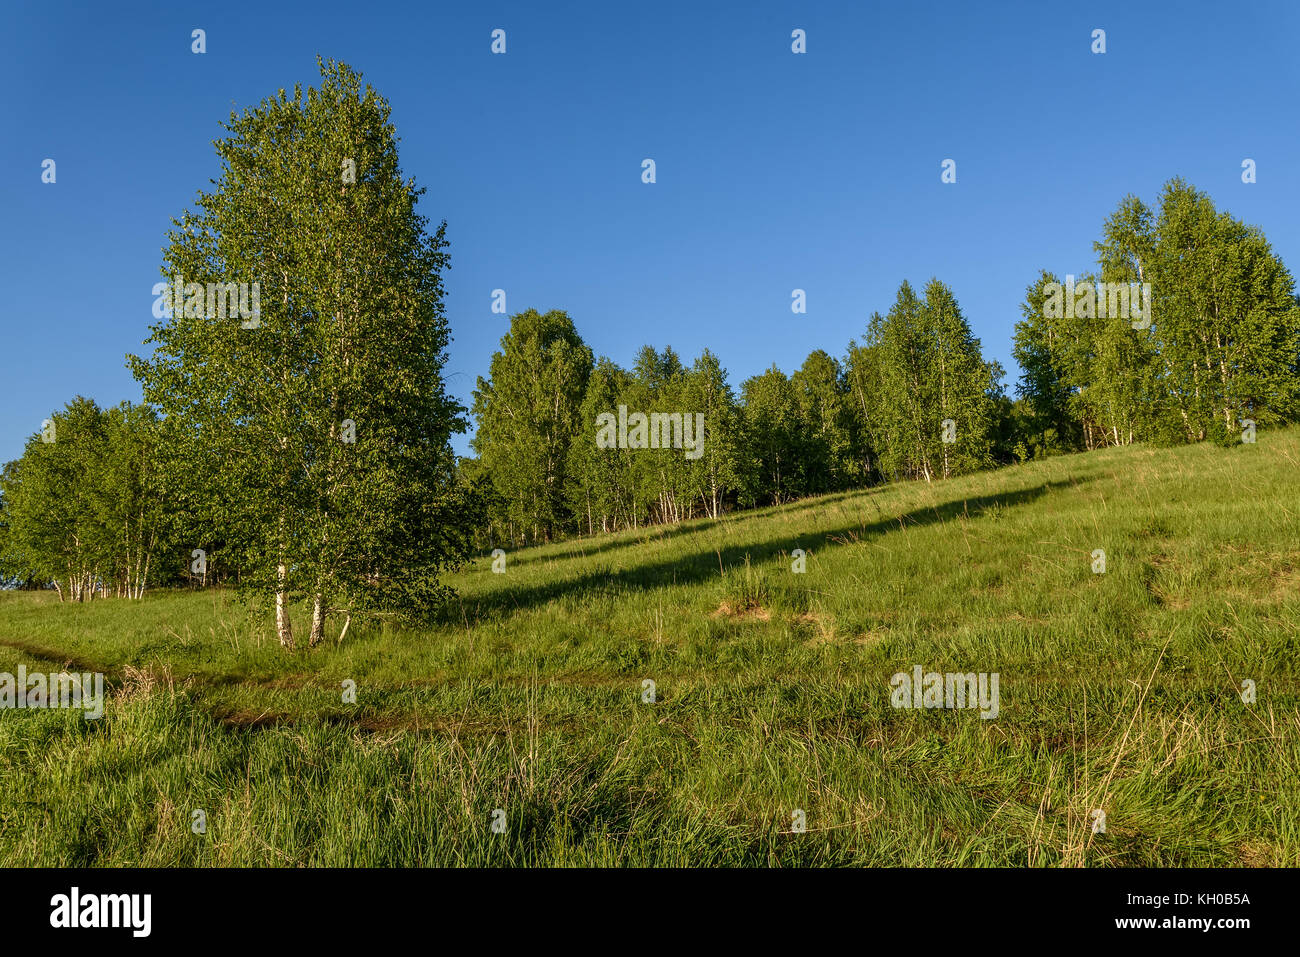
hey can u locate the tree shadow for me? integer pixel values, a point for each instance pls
(587, 546)
(706, 565)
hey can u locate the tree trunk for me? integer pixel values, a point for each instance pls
(148, 557)
(283, 626)
(317, 621)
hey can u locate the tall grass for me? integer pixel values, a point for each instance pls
(1120, 692)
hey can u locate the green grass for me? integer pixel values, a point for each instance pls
(1119, 691)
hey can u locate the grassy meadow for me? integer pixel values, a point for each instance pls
(1118, 691)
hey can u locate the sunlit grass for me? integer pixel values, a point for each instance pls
(1119, 691)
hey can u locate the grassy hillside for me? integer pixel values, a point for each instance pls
(1118, 691)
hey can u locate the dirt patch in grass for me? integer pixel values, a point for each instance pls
(750, 612)
(823, 625)
(1258, 855)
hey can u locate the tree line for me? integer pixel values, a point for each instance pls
(1219, 349)
(880, 414)
(1188, 331)
(82, 508)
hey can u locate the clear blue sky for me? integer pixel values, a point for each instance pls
(775, 171)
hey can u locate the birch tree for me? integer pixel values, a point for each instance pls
(528, 417)
(317, 430)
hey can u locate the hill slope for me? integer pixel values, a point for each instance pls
(1118, 691)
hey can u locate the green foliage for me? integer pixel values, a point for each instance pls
(602, 490)
(663, 478)
(719, 472)
(774, 436)
(832, 444)
(84, 508)
(828, 427)
(527, 412)
(351, 341)
(1042, 348)
(1220, 346)
(920, 367)
(614, 487)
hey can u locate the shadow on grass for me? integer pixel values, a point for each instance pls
(706, 565)
(585, 547)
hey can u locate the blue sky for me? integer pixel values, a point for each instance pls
(775, 171)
